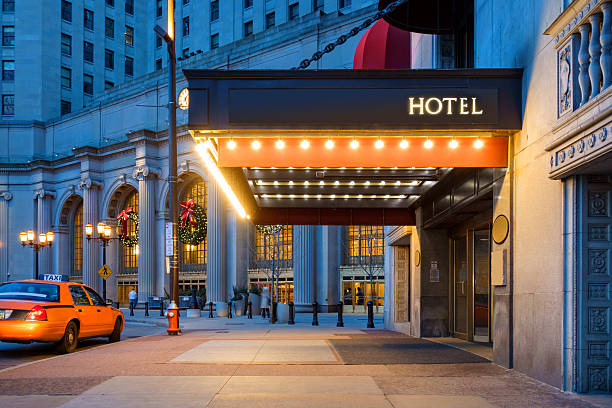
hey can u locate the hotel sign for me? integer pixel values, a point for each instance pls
(446, 106)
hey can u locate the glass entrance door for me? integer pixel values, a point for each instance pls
(482, 274)
(460, 269)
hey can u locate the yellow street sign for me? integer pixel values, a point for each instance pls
(105, 272)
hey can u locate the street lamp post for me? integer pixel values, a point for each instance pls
(104, 236)
(29, 239)
(168, 37)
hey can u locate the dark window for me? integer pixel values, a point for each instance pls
(129, 35)
(41, 292)
(8, 35)
(158, 64)
(88, 84)
(8, 70)
(79, 297)
(129, 66)
(185, 26)
(214, 41)
(248, 28)
(294, 11)
(185, 2)
(109, 59)
(344, 3)
(66, 77)
(248, 3)
(185, 52)
(66, 10)
(214, 10)
(88, 51)
(270, 20)
(158, 41)
(159, 9)
(8, 104)
(95, 298)
(110, 3)
(317, 5)
(108, 85)
(129, 6)
(109, 28)
(65, 107)
(8, 5)
(88, 19)
(66, 44)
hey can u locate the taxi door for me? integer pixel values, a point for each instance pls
(86, 312)
(104, 314)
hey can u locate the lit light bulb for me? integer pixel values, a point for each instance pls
(428, 144)
(387, 196)
(278, 196)
(478, 143)
(379, 144)
(346, 196)
(333, 197)
(319, 196)
(352, 183)
(276, 182)
(360, 196)
(382, 183)
(306, 196)
(290, 182)
(336, 183)
(231, 144)
(292, 196)
(367, 183)
(329, 144)
(453, 144)
(321, 183)
(256, 144)
(304, 144)
(397, 183)
(306, 183)
(373, 196)
(280, 144)
(354, 144)
(403, 144)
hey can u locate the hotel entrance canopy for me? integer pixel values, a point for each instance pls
(347, 146)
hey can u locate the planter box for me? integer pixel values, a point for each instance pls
(221, 309)
(282, 312)
(255, 303)
(193, 313)
(239, 307)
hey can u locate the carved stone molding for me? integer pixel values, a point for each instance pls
(6, 195)
(578, 19)
(87, 183)
(142, 172)
(42, 193)
(571, 155)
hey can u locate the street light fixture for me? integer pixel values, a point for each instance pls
(44, 239)
(104, 232)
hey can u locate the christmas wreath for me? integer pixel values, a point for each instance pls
(192, 229)
(269, 229)
(122, 220)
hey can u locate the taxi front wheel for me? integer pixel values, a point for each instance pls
(68, 343)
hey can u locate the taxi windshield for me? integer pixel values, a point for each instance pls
(43, 292)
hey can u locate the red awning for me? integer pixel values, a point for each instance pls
(383, 47)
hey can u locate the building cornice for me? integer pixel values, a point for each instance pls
(574, 15)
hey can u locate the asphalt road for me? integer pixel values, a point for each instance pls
(12, 354)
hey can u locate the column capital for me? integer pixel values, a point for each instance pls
(143, 172)
(42, 193)
(87, 183)
(6, 195)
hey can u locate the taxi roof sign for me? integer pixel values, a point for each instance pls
(55, 278)
(105, 272)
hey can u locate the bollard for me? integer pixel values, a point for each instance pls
(194, 299)
(161, 308)
(229, 310)
(118, 305)
(315, 310)
(210, 313)
(146, 309)
(273, 318)
(250, 311)
(131, 309)
(370, 314)
(291, 313)
(340, 321)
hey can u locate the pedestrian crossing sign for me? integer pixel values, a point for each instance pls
(105, 272)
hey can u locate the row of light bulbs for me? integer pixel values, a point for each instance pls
(333, 196)
(335, 183)
(354, 144)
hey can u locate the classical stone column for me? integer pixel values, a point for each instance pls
(91, 248)
(216, 268)
(303, 265)
(43, 200)
(147, 275)
(5, 197)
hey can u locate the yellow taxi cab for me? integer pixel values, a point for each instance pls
(55, 311)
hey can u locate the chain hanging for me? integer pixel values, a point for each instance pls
(353, 32)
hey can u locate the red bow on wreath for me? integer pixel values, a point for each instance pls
(187, 213)
(125, 216)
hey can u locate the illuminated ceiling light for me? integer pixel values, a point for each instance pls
(319, 196)
(264, 196)
(333, 196)
(276, 182)
(403, 144)
(352, 183)
(278, 196)
(256, 144)
(329, 144)
(336, 183)
(403, 196)
(359, 168)
(290, 182)
(306, 196)
(367, 183)
(306, 183)
(394, 168)
(304, 144)
(397, 183)
(307, 168)
(428, 144)
(290, 168)
(231, 144)
(478, 143)
(280, 144)
(373, 196)
(321, 183)
(360, 196)
(453, 144)
(379, 144)
(259, 182)
(382, 183)
(354, 144)
(292, 196)
(346, 196)
(387, 196)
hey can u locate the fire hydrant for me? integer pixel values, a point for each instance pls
(173, 319)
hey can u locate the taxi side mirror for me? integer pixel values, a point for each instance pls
(109, 302)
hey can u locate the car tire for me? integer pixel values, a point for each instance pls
(69, 341)
(115, 336)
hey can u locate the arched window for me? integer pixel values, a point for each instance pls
(264, 246)
(76, 240)
(363, 241)
(130, 254)
(195, 254)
